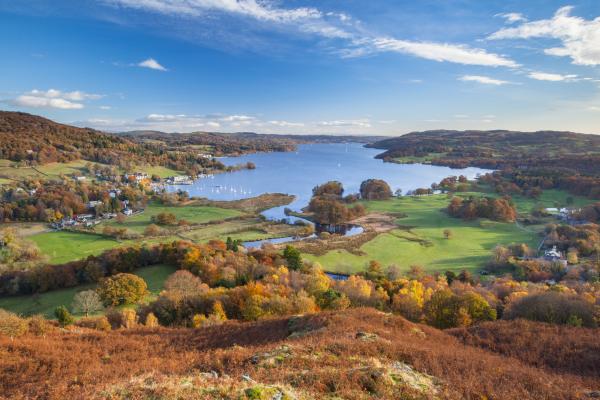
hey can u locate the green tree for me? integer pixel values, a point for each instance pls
(122, 289)
(293, 257)
(63, 316)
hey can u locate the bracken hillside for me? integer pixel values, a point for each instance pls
(354, 354)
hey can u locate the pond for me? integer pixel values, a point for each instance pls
(297, 173)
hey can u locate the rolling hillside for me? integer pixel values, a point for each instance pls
(354, 354)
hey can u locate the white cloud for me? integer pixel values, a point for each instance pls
(286, 124)
(441, 52)
(230, 123)
(580, 38)
(544, 76)
(360, 123)
(152, 64)
(354, 39)
(238, 118)
(511, 18)
(53, 98)
(483, 79)
(105, 107)
(594, 108)
(43, 102)
(260, 10)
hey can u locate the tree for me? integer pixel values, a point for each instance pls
(63, 316)
(293, 257)
(447, 233)
(87, 302)
(152, 230)
(450, 277)
(164, 218)
(331, 188)
(122, 289)
(375, 189)
(183, 284)
(218, 312)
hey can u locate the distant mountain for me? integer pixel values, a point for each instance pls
(496, 149)
(300, 138)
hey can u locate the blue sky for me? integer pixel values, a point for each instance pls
(355, 67)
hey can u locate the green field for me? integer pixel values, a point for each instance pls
(192, 214)
(162, 172)
(45, 303)
(63, 246)
(66, 246)
(550, 198)
(469, 248)
(54, 170)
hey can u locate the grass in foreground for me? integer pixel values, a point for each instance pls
(419, 240)
(45, 303)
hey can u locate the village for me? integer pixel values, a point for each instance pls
(96, 213)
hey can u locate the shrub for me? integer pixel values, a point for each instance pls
(38, 325)
(122, 289)
(554, 308)
(151, 321)
(99, 323)
(164, 218)
(11, 324)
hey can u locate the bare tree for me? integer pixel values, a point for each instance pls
(87, 302)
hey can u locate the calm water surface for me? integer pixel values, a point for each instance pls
(297, 173)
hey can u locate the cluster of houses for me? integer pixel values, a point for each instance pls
(90, 220)
(179, 180)
(567, 215)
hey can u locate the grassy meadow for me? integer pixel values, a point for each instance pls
(9, 173)
(193, 214)
(45, 303)
(419, 239)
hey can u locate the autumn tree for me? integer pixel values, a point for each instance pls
(164, 218)
(183, 284)
(375, 189)
(122, 289)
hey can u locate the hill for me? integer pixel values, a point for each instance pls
(496, 149)
(219, 143)
(26, 137)
(354, 354)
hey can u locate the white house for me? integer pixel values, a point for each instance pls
(94, 203)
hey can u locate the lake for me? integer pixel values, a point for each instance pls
(297, 173)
